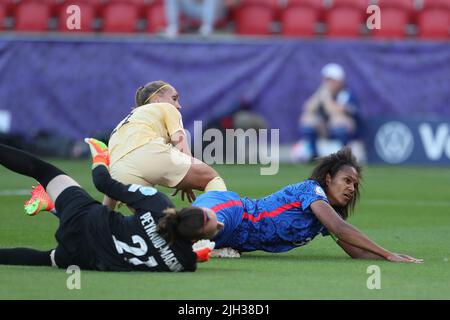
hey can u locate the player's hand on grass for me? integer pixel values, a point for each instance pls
(396, 257)
(203, 249)
(99, 152)
(188, 193)
(412, 259)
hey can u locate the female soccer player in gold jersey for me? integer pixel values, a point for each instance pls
(149, 146)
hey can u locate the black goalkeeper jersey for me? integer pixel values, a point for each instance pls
(131, 243)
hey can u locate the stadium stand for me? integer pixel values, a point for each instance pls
(434, 20)
(421, 19)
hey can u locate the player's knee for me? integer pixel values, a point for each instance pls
(214, 182)
(205, 176)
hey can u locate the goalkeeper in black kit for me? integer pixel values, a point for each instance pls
(158, 237)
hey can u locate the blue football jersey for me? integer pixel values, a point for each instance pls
(276, 223)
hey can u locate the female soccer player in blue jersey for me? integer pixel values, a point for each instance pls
(294, 215)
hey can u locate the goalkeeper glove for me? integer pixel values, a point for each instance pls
(203, 249)
(99, 152)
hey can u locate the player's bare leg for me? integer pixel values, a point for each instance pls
(110, 203)
(201, 177)
(58, 184)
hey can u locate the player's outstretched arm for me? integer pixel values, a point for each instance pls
(357, 253)
(349, 234)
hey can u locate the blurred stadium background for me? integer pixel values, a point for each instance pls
(263, 60)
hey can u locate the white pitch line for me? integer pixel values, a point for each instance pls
(403, 202)
(17, 192)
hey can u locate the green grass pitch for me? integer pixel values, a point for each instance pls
(405, 210)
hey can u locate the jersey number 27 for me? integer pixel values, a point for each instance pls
(141, 250)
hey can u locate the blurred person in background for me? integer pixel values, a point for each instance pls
(242, 116)
(207, 11)
(331, 112)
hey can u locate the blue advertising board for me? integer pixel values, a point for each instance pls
(408, 141)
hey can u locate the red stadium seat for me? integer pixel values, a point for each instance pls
(95, 3)
(395, 17)
(345, 18)
(278, 9)
(88, 10)
(9, 6)
(32, 15)
(54, 6)
(120, 16)
(156, 16)
(255, 17)
(2, 16)
(406, 5)
(300, 17)
(141, 5)
(434, 20)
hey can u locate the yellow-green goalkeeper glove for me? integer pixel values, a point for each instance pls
(99, 152)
